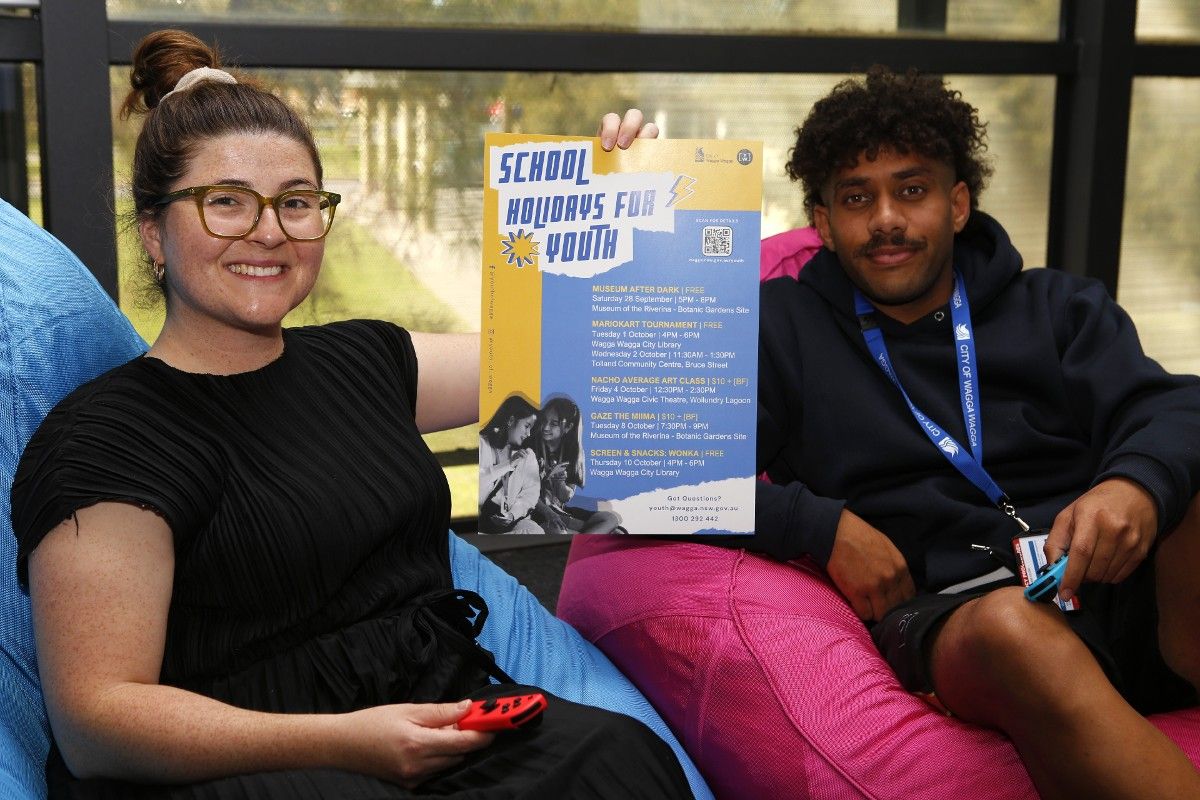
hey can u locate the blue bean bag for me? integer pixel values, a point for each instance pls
(58, 329)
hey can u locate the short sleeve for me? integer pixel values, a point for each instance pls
(385, 351)
(99, 445)
(400, 350)
(169, 441)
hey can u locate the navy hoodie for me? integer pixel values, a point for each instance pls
(1066, 395)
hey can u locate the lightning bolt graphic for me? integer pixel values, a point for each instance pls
(682, 189)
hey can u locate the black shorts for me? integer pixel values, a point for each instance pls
(1118, 623)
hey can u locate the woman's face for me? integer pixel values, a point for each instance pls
(519, 428)
(245, 284)
(553, 429)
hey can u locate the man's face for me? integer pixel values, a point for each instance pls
(891, 223)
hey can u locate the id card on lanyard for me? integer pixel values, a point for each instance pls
(968, 462)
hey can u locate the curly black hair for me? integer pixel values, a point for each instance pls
(908, 113)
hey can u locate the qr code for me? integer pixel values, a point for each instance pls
(718, 240)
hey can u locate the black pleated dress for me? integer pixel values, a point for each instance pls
(312, 566)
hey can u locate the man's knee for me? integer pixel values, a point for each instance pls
(1177, 578)
(999, 660)
(1005, 640)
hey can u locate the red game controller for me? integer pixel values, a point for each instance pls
(504, 713)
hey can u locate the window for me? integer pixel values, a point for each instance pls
(1160, 265)
(20, 164)
(1168, 20)
(991, 19)
(404, 149)
(1019, 111)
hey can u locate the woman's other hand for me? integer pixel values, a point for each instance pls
(618, 131)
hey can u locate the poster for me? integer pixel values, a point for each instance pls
(619, 336)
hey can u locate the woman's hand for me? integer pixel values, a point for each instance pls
(100, 585)
(619, 131)
(557, 480)
(498, 472)
(410, 743)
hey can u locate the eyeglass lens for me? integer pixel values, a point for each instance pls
(230, 211)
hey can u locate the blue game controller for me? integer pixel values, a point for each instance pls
(1045, 588)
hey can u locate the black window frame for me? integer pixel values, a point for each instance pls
(1094, 61)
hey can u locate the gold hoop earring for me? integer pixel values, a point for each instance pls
(160, 270)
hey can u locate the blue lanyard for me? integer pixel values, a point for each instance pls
(970, 464)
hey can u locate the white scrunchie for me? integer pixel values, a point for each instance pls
(196, 76)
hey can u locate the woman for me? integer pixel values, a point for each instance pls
(235, 546)
(558, 444)
(508, 472)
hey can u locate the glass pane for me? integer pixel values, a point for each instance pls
(1160, 265)
(33, 152)
(1017, 19)
(1019, 111)
(20, 180)
(1168, 20)
(1036, 19)
(405, 152)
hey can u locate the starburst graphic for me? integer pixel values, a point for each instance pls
(520, 248)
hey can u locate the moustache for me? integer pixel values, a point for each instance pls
(897, 239)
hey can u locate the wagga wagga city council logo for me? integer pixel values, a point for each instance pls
(744, 156)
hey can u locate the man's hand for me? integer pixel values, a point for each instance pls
(1108, 532)
(868, 569)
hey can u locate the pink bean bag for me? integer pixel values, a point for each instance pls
(773, 686)
(765, 675)
(785, 253)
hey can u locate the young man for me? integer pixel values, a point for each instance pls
(920, 396)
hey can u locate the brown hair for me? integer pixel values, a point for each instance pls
(172, 130)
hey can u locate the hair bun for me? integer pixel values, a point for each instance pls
(159, 61)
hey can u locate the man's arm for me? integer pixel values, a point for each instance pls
(792, 521)
(1150, 422)
(1109, 531)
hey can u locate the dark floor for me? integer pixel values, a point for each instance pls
(536, 561)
